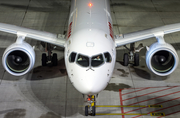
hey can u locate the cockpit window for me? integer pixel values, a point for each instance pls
(72, 57)
(97, 60)
(83, 60)
(94, 61)
(107, 57)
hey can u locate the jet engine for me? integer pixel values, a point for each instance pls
(161, 59)
(19, 58)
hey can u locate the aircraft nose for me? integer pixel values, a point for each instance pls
(90, 88)
(91, 83)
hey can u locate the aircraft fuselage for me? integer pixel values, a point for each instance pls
(90, 51)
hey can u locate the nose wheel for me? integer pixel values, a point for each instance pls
(91, 108)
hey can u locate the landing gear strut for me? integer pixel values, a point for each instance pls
(133, 55)
(91, 108)
(49, 57)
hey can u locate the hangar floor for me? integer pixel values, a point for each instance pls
(46, 92)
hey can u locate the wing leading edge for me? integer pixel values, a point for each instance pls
(34, 34)
(145, 34)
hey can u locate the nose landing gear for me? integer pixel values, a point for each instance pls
(91, 108)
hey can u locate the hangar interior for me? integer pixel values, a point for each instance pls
(46, 92)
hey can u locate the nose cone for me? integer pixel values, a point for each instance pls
(93, 87)
(91, 83)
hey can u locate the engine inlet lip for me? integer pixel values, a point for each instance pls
(8, 69)
(175, 61)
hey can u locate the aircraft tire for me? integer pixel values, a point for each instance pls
(44, 59)
(54, 60)
(93, 111)
(136, 59)
(86, 111)
(125, 59)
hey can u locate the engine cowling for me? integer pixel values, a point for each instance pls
(18, 59)
(162, 59)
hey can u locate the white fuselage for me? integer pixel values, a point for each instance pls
(90, 35)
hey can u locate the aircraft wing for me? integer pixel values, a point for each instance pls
(34, 34)
(121, 40)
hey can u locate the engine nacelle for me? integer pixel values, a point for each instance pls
(162, 59)
(19, 58)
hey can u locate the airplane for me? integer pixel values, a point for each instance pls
(90, 49)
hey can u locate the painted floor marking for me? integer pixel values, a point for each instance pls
(150, 87)
(156, 105)
(170, 114)
(132, 114)
(150, 106)
(155, 97)
(135, 91)
(119, 106)
(121, 102)
(152, 113)
(157, 114)
(159, 110)
(149, 93)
